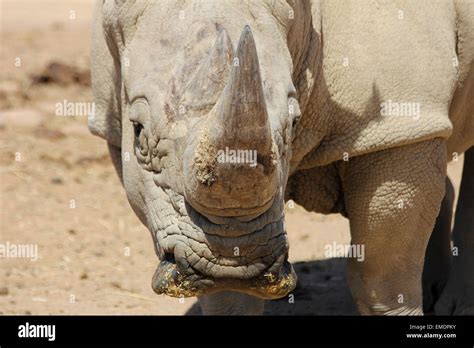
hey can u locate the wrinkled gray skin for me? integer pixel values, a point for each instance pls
(301, 83)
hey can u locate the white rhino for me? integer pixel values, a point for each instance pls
(216, 112)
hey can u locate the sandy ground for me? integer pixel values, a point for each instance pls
(59, 191)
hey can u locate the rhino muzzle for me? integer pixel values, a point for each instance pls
(249, 257)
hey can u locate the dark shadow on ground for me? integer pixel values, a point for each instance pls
(322, 290)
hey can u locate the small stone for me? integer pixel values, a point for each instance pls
(57, 180)
(83, 275)
(3, 291)
(62, 74)
(115, 285)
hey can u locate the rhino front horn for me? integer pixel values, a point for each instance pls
(241, 114)
(232, 164)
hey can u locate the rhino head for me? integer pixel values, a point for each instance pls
(200, 122)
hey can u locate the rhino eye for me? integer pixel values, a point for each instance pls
(137, 129)
(141, 141)
(140, 116)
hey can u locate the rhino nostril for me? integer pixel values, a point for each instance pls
(169, 257)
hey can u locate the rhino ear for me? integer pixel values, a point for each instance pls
(106, 80)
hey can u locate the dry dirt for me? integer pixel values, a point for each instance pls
(94, 255)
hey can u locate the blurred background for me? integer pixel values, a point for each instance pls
(59, 191)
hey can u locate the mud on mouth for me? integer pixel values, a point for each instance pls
(169, 281)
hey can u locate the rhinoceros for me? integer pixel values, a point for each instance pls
(218, 112)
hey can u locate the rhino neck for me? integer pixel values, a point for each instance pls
(305, 43)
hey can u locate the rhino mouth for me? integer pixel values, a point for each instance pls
(198, 256)
(276, 282)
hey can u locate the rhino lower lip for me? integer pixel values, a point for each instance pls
(169, 281)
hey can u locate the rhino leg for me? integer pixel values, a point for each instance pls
(392, 199)
(438, 253)
(458, 296)
(230, 303)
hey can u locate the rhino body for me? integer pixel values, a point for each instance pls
(350, 107)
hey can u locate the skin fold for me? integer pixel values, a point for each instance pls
(353, 107)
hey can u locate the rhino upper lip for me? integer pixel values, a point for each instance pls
(214, 223)
(211, 213)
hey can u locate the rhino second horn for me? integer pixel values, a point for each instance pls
(209, 80)
(238, 122)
